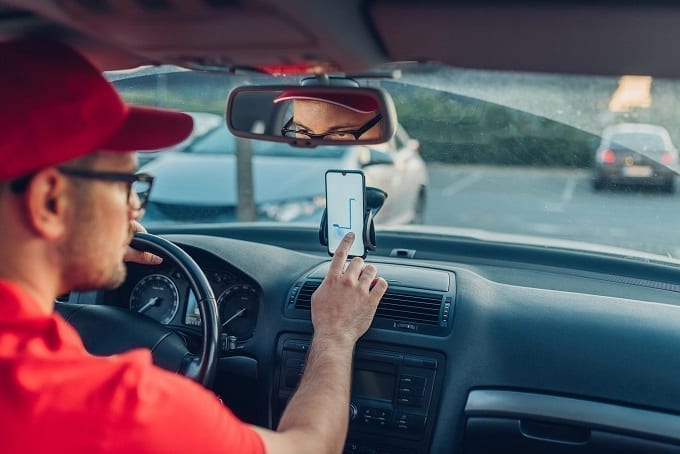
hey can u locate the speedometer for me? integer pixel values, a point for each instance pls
(238, 311)
(155, 296)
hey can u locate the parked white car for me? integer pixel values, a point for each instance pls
(395, 167)
(204, 122)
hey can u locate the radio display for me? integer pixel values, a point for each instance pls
(372, 384)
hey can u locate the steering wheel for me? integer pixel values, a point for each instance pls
(107, 330)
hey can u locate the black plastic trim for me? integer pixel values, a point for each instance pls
(596, 415)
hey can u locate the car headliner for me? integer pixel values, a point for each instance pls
(596, 37)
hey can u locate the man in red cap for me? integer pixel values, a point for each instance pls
(69, 201)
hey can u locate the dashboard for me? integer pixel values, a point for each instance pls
(478, 346)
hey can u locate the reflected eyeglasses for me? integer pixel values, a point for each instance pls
(292, 130)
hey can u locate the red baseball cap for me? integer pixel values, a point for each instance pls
(360, 103)
(56, 106)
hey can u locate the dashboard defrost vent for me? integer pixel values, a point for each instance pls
(411, 306)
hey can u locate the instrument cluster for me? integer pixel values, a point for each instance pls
(165, 296)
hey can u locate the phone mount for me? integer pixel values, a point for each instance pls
(375, 198)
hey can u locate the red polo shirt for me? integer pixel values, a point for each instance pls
(56, 397)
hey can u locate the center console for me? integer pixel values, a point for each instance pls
(393, 398)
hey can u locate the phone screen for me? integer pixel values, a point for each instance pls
(345, 207)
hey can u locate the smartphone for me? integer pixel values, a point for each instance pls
(345, 205)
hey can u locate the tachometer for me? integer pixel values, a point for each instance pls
(238, 311)
(155, 296)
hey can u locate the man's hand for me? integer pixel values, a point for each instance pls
(345, 303)
(133, 255)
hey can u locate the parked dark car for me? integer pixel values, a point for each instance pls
(640, 154)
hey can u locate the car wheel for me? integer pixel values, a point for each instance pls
(669, 186)
(419, 210)
(599, 183)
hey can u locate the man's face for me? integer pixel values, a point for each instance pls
(101, 227)
(320, 117)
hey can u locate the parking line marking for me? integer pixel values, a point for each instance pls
(461, 184)
(568, 192)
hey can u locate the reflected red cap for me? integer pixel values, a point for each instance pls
(56, 106)
(360, 103)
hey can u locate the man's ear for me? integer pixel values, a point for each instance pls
(46, 200)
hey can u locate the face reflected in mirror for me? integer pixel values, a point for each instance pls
(336, 118)
(312, 119)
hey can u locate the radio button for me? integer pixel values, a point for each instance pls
(295, 345)
(367, 412)
(411, 391)
(380, 422)
(384, 414)
(413, 401)
(407, 422)
(412, 381)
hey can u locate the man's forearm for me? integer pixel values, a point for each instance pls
(321, 403)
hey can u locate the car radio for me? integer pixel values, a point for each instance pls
(393, 390)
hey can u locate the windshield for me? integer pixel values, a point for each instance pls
(637, 141)
(554, 160)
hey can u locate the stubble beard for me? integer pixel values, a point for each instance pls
(88, 272)
(83, 255)
(119, 273)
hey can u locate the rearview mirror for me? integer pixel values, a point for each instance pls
(310, 116)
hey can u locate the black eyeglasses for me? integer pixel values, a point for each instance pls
(292, 130)
(139, 183)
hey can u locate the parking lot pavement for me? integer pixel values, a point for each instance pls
(553, 203)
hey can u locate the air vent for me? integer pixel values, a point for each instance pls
(304, 296)
(411, 307)
(406, 306)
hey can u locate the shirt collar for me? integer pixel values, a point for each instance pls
(17, 303)
(19, 310)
